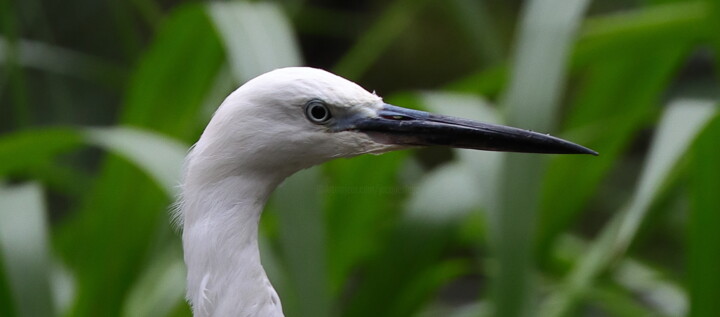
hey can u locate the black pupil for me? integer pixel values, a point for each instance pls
(318, 112)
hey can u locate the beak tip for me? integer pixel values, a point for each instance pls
(591, 152)
(579, 149)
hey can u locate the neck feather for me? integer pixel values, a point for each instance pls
(220, 227)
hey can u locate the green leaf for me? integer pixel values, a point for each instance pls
(480, 28)
(159, 156)
(362, 200)
(703, 256)
(650, 26)
(615, 36)
(449, 193)
(299, 202)
(38, 154)
(175, 74)
(63, 287)
(257, 37)
(54, 59)
(618, 304)
(391, 282)
(603, 100)
(531, 102)
(712, 22)
(398, 279)
(428, 281)
(657, 290)
(20, 151)
(363, 194)
(24, 249)
(107, 242)
(160, 288)
(629, 279)
(395, 19)
(681, 123)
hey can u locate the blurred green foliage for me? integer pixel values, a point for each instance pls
(100, 101)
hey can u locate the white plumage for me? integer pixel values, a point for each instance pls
(271, 127)
(257, 138)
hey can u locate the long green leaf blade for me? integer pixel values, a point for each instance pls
(376, 39)
(107, 242)
(299, 202)
(160, 288)
(24, 249)
(50, 58)
(395, 282)
(159, 156)
(24, 150)
(604, 100)
(681, 123)
(679, 127)
(538, 76)
(704, 223)
(257, 37)
(447, 194)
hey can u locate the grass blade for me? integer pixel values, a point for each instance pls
(604, 100)
(712, 22)
(49, 58)
(362, 196)
(257, 37)
(681, 123)
(703, 234)
(299, 201)
(24, 249)
(159, 156)
(531, 102)
(107, 242)
(160, 288)
(480, 28)
(395, 282)
(374, 41)
(657, 291)
(674, 21)
(21, 151)
(629, 280)
(447, 194)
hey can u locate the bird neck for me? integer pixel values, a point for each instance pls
(225, 276)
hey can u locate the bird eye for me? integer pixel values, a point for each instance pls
(317, 112)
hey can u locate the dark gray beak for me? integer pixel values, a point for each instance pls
(401, 126)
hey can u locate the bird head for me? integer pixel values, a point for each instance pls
(296, 117)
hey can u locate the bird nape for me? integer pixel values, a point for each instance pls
(273, 126)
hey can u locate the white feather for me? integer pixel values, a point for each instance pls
(257, 138)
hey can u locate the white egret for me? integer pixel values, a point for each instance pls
(273, 126)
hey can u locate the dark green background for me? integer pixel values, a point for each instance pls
(99, 100)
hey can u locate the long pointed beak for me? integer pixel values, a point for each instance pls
(401, 126)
